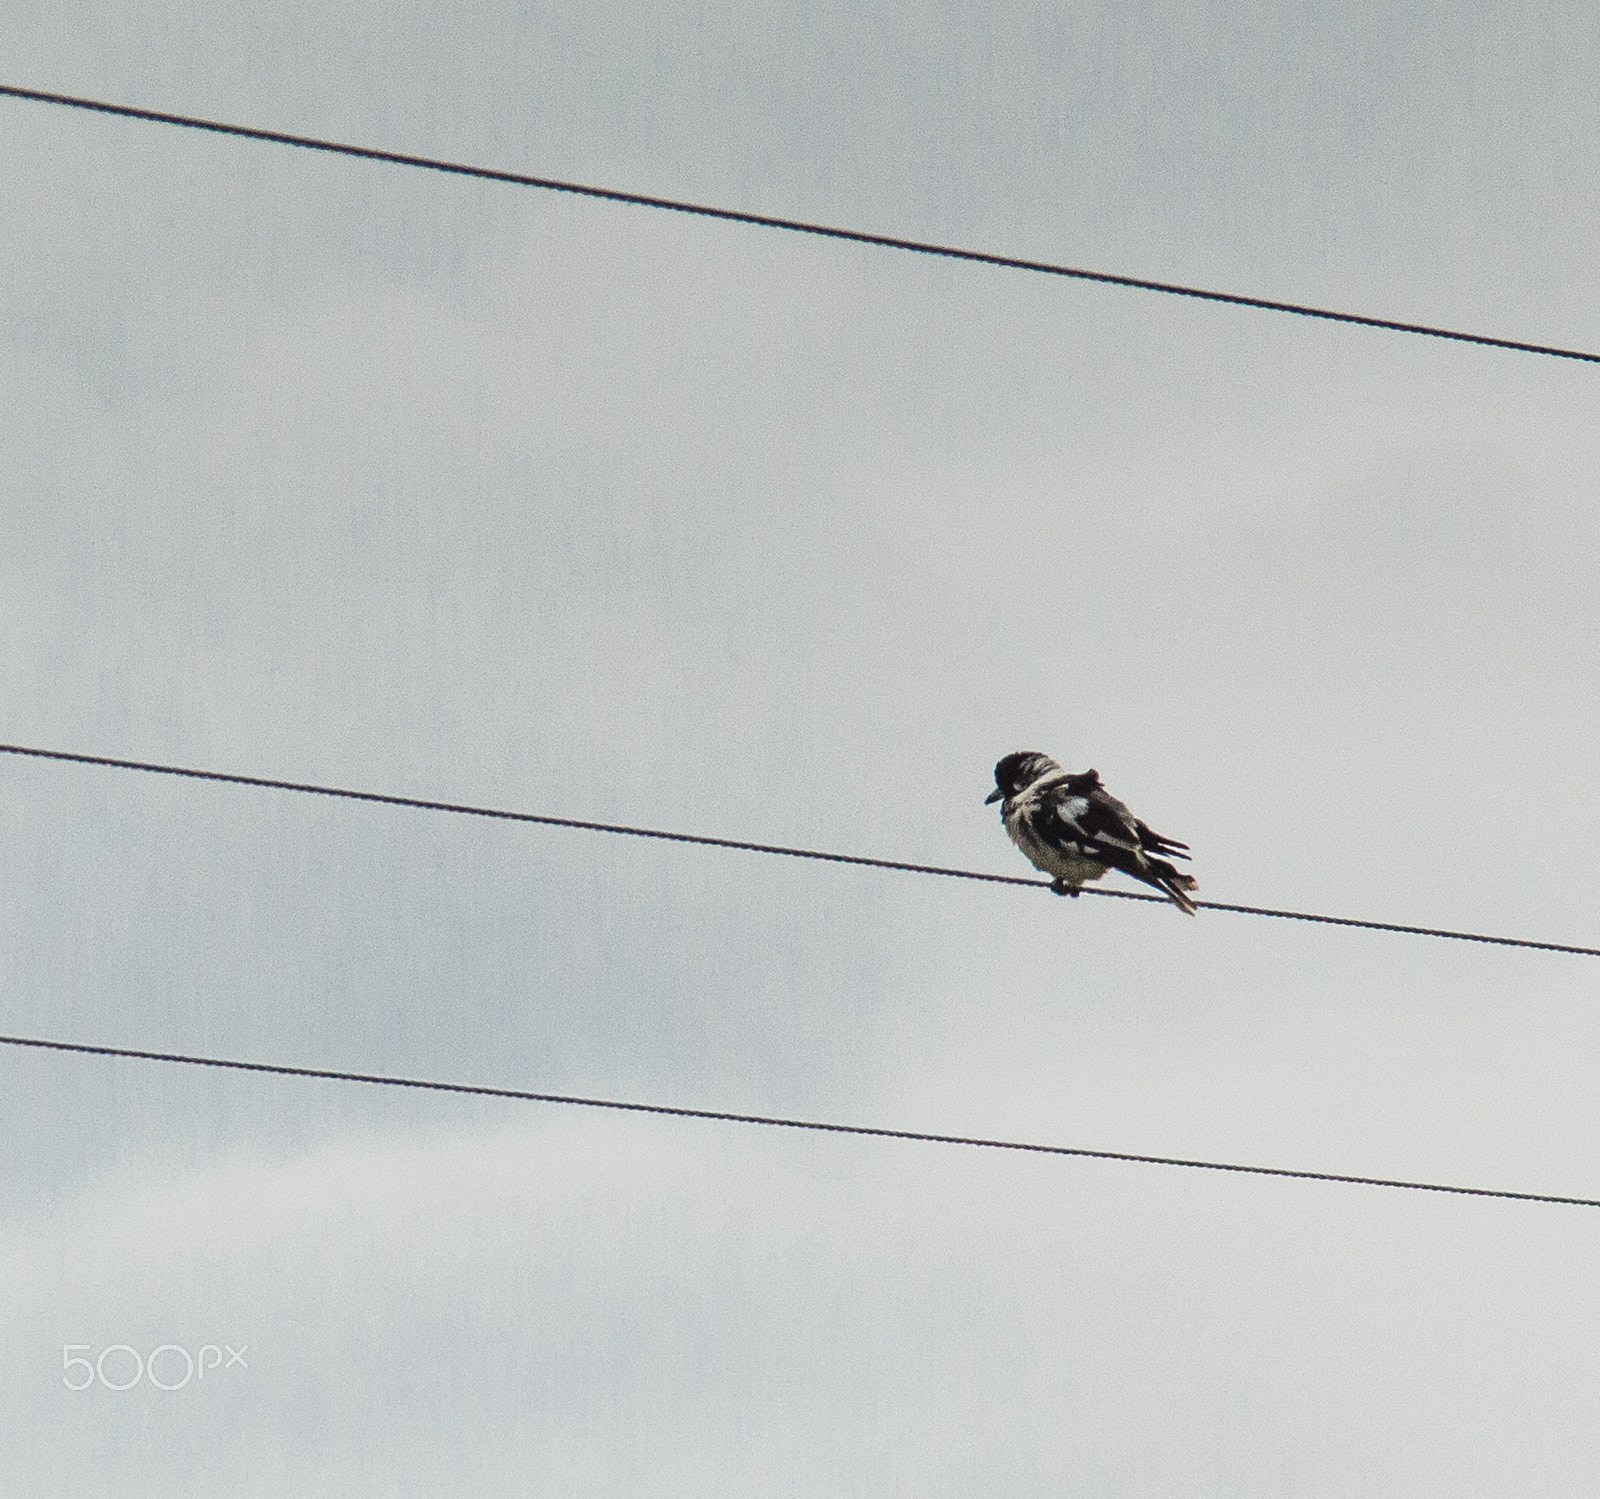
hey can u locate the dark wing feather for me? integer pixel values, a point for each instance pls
(1158, 843)
(1110, 821)
(1083, 813)
(1111, 818)
(1080, 815)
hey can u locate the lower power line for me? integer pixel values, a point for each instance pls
(721, 1116)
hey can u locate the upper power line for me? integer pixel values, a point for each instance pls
(581, 825)
(796, 226)
(722, 1116)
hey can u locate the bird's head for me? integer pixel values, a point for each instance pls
(1019, 771)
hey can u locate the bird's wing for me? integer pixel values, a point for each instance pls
(1112, 821)
(1085, 813)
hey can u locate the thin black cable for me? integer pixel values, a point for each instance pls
(767, 221)
(763, 848)
(721, 1116)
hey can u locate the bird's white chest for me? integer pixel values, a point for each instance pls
(1065, 861)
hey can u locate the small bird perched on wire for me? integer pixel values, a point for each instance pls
(1073, 829)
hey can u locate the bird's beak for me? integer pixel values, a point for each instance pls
(993, 796)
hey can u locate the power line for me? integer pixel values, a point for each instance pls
(721, 1116)
(767, 221)
(626, 830)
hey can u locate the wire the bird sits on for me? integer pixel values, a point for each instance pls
(795, 226)
(624, 830)
(721, 1116)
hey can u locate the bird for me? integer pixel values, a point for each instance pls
(1074, 830)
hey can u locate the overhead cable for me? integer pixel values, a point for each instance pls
(768, 221)
(723, 1116)
(626, 830)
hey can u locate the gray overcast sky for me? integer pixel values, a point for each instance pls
(322, 470)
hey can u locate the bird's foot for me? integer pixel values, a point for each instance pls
(1061, 887)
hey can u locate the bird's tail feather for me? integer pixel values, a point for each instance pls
(1173, 883)
(1177, 885)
